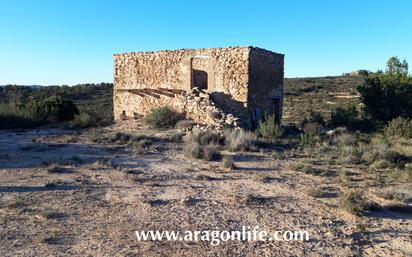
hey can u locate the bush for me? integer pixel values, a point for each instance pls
(211, 153)
(399, 127)
(228, 162)
(387, 96)
(354, 202)
(312, 128)
(315, 117)
(383, 153)
(36, 112)
(202, 145)
(162, 117)
(83, 120)
(53, 106)
(193, 150)
(13, 116)
(202, 137)
(351, 118)
(307, 140)
(344, 117)
(240, 140)
(268, 128)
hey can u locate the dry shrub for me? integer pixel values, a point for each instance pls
(354, 202)
(228, 162)
(211, 153)
(202, 137)
(399, 127)
(202, 145)
(240, 140)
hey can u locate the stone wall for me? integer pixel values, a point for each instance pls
(238, 80)
(265, 94)
(227, 70)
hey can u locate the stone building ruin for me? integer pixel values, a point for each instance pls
(218, 87)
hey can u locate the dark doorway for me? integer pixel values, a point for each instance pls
(199, 79)
(277, 108)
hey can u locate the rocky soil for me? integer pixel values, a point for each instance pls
(101, 193)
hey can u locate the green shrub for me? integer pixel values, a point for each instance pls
(268, 128)
(13, 116)
(344, 116)
(387, 96)
(162, 117)
(399, 127)
(307, 140)
(208, 137)
(53, 106)
(96, 135)
(83, 120)
(36, 112)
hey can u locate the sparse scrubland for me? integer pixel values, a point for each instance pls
(342, 171)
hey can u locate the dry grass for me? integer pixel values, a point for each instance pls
(240, 140)
(317, 192)
(228, 162)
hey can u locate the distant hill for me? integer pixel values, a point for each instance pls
(92, 97)
(322, 94)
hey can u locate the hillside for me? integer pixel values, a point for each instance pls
(321, 94)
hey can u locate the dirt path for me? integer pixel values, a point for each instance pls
(94, 207)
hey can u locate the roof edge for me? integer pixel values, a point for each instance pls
(181, 49)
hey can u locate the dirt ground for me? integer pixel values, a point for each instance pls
(103, 193)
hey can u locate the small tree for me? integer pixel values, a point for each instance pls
(388, 95)
(395, 66)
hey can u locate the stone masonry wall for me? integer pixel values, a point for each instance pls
(265, 82)
(169, 69)
(239, 81)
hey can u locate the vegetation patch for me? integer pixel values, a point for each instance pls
(228, 162)
(83, 120)
(162, 117)
(268, 128)
(354, 202)
(399, 127)
(240, 140)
